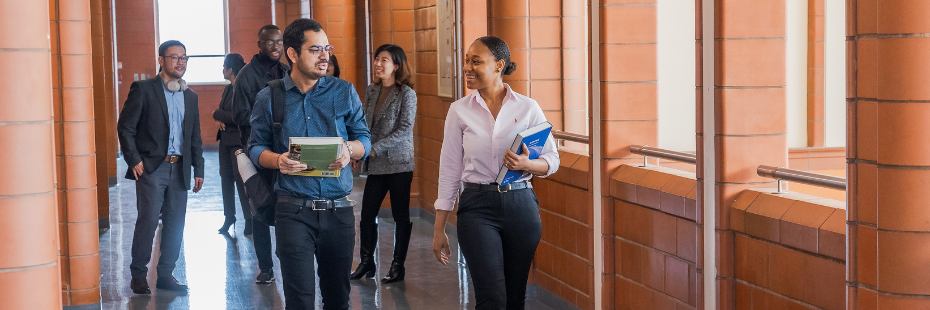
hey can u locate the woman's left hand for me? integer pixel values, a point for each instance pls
(517, 162)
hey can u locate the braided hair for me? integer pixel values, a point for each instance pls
(500, 50)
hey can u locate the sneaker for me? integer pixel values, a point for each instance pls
(265, 277)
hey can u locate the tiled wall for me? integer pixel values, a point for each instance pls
(564, 258)
(653, 254)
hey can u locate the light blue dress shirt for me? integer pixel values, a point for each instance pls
(175, 102)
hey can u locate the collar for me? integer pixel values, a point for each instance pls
(289, 83)
(509, 96)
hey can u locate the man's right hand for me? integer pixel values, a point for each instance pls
(138, 170)
(288, 165)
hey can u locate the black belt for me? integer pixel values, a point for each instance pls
(494, 188)
(317, 204)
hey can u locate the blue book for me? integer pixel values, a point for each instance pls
(535, 138)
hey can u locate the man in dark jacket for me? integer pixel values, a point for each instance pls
(159, 135)
(265, 66)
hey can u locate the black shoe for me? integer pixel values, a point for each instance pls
(395, 274)
(265, 277)
(229, 221)
(365, 269)
(170, 284)
(248, 227)
(140, 286)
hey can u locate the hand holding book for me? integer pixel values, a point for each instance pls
(512, 161)
(288, 165)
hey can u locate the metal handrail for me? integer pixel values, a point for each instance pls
(816, 179)
(561, 135)
(647, 151)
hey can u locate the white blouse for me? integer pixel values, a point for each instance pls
(474, 143)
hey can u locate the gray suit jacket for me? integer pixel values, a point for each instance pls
(391, 130)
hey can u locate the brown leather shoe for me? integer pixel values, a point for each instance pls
(140, 286)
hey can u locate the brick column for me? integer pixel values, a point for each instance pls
(338, 20)
(888, 154)
(750, 119)
(815, 73)
(629, 93)
(104, 105)
(30, 275)
(533, 33)
(73, 110)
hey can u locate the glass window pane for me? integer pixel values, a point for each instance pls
(204, 69)
(201, 26)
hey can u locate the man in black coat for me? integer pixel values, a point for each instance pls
(159, 135)
(264, 67)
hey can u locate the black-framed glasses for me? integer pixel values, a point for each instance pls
(271, 43)
(177, 58)
(316, 49)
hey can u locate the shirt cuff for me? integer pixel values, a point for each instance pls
(366, 142)
(553, 166)
(444, 205)
(255, 152)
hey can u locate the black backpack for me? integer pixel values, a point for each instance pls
(260, 190)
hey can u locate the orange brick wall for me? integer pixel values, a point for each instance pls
(654, 250)
(564, 262)
(789, 251)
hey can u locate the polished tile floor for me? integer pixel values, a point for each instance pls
(221, 269)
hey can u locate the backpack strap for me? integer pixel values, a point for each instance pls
(277, 106)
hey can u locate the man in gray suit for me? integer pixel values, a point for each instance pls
(159, 135)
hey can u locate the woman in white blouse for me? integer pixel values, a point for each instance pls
(498, 227)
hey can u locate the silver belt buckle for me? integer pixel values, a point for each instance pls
(324, 203)
(503, 191)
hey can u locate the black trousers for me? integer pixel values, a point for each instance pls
(305, 235)
(498, 234)
(377, 186)
(160, 192)
(232, 183)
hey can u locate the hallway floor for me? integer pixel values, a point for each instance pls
(220, 270)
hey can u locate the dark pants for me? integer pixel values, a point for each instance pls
(231, 183)
(305, 235)
(261, 239)
(160, 192)
(376, 187)
(498, 234)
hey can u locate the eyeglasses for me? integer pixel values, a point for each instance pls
(178, 58)
(271, 43)
(316, 49)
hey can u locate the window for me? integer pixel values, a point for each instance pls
(201, 26)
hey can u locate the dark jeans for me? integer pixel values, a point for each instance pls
(231, 183)
(377, 186)
(305, 235)
(160, 192)
(261, 239)
(498, 234)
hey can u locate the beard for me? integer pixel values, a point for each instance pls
(311, 71)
